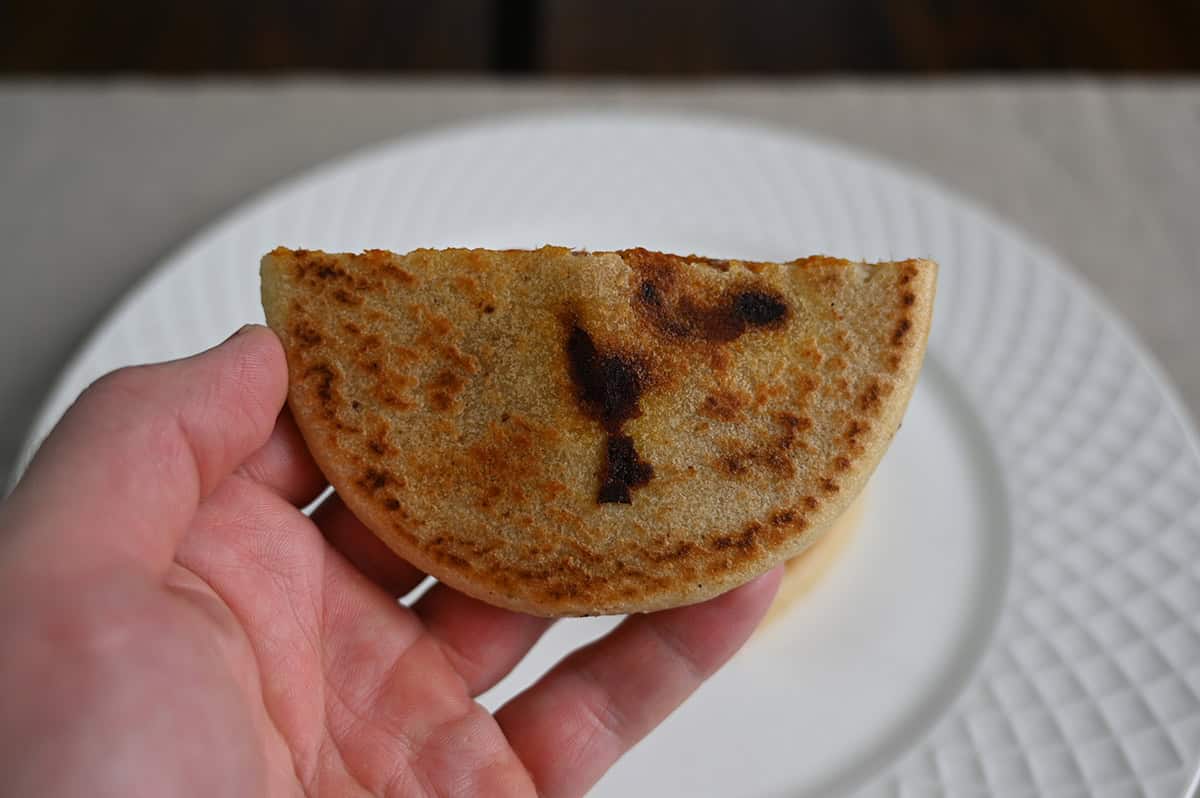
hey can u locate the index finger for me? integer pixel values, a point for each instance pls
(578, 719)
(124, 470)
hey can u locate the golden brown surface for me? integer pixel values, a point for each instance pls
(569, 433)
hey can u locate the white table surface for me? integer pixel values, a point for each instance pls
(99, 180)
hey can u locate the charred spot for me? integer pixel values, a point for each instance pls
(609, 386)
(783, 517)
(373, 479)
(731, 316)
(325, 377)
(489, 309)
(829, 486)
(811, 502)
(378, 447)
(327, 273)
(623, 470)
(902, 328)
(759, 309)
(908, 298)
(650, 294)
(391, 503)
(347, 298)
(841, 463)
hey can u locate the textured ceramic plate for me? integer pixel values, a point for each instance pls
(1020, 613)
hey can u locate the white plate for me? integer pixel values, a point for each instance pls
(1020, 613)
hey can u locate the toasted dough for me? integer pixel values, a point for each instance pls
(568, 433)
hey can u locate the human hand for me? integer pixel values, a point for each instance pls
(172, 624)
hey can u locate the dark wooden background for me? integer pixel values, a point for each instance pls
(601, 37)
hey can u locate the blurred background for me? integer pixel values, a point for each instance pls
(612, 38)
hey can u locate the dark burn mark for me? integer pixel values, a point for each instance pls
(373, 479)
(324, 376)
(902, 328)
(759, 309)
(609, 386)
(623, 470)
(650, 294)
(733, 315)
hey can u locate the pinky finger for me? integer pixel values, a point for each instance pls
(573, 724)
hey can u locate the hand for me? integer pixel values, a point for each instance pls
(172, 624)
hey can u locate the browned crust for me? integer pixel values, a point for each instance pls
(435, 392)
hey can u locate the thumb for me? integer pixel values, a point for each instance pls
(122, 473)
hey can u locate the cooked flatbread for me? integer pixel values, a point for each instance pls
(573, 433)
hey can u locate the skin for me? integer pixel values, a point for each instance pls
(172, 624)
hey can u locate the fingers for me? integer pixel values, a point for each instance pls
(284, 465)
(483, 643)
(122, 473)
(573, 724)
(365, 552)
